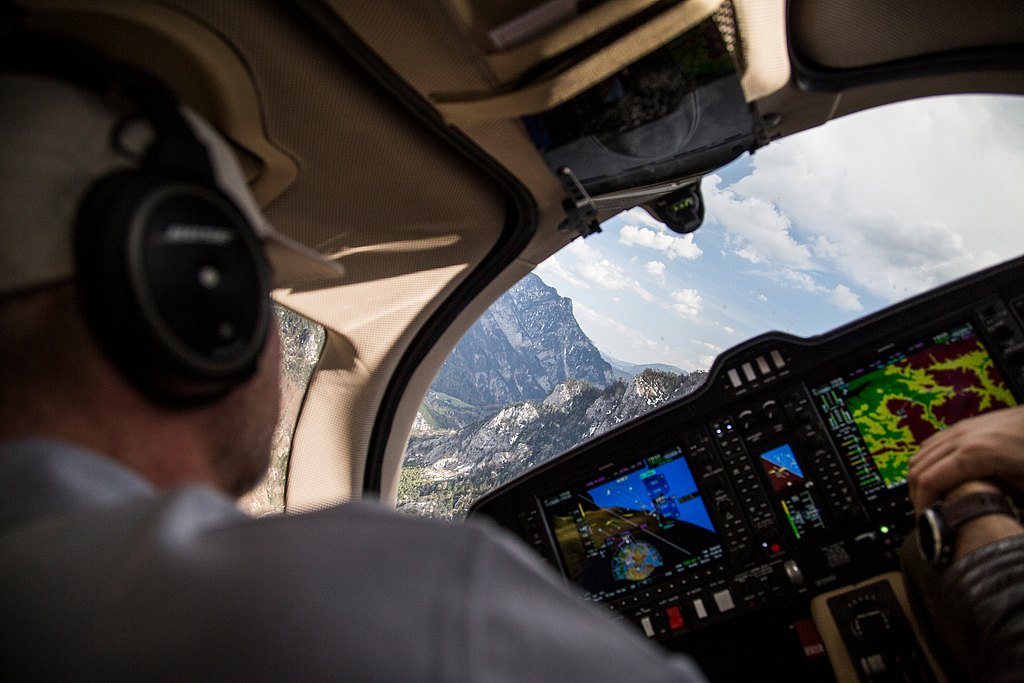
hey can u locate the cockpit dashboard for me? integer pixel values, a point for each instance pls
(713, 523)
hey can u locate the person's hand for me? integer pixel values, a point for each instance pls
(985, 447)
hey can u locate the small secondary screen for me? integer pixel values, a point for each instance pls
(636, 525)
(880, 413)
(795, 500)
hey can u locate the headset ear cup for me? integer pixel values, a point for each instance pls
(173, 283)
(104, 282)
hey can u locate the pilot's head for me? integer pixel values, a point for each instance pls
(131, 260)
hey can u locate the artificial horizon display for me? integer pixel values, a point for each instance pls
(643, 522)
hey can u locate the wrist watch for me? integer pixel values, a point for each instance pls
(937, 525)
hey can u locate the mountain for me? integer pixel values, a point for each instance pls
(441, 411)
(627, 371)
(445, 471)
(521, 348)
(524, 385)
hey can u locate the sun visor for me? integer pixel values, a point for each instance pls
(629, 112)
(678, 111)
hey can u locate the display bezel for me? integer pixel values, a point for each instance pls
(601, 583)
(850, 437)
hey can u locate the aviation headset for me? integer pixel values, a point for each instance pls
(172, 277)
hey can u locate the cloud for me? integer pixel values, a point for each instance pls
(593, 267)
(800, 279)
(824, 248)
(637, 215)
(897, 199)
(707, 345)
(762, 297)
(672, 247)
(627, 343)
(633, 338)
(656, 269)
(686, 302)
(757, 230)
(728, 330)
(842, 297)
(552, 267)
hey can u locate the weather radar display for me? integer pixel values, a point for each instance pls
(640, 523)
(880, 413)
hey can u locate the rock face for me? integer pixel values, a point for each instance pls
(523, 386)
(447, 470)
(521, 348)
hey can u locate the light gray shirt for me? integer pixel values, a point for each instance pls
(104, 577)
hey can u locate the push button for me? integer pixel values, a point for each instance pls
(724, 601)
(675, 618)
(748, 372)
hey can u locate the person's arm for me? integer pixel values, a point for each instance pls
(976, 605)
(983, 530)
(984, 593)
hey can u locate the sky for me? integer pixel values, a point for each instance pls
(810, 232)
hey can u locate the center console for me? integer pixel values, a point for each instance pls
(713, 522)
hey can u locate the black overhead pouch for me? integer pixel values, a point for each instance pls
(629, 103)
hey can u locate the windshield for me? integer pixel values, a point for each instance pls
(811, 232)
(808, 233)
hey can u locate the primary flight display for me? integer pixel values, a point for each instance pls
(618, 532)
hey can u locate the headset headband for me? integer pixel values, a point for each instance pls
(172, 277)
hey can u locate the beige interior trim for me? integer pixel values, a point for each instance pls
(762, 29)
(562, 87)
(509, 65)
(216, 83)
(838, 656)
(849, 35)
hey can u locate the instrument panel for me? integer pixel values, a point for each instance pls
(711, 522)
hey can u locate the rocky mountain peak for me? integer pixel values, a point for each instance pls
(523, 385)
(652, 387)
(563, 394)
(520, 349)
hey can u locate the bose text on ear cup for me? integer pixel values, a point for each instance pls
(174, 284)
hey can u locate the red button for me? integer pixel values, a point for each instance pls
(810, 638)
(675, 618)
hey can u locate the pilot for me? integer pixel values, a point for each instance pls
(137, 400)
(966, 563)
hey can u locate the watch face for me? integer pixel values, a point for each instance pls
(930, 533)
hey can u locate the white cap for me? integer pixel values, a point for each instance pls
(55, 143)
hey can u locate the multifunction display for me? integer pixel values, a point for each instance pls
(640, 523)
(880, 413)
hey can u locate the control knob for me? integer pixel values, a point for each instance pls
(872, 623)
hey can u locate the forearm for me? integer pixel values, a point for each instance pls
(973, 605)
(984, 531)
(984, 591)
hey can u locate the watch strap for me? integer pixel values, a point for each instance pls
(958, 512)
